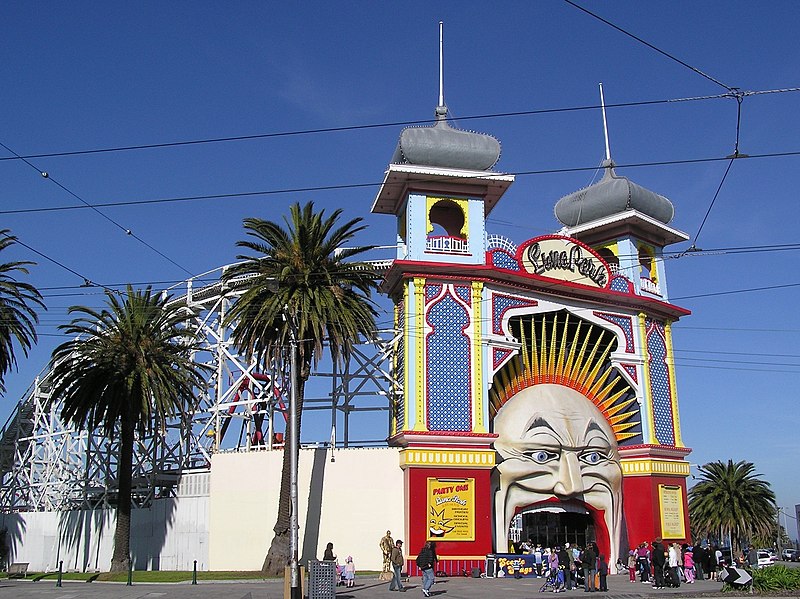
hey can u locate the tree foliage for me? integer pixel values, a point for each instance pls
(18, 317)
(127, 370)
(299, 284)
(731, 500)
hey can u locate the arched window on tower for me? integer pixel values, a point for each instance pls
(647, 267)
(447, 226)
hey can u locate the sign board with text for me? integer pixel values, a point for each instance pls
(670, 505)
(564, 259)
(451, 509)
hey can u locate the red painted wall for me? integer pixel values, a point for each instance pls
(642, 517)
(416, 480)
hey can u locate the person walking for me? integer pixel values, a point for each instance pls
(349, 572)
(553, 569)
(426, 561)
(537, 558)
(632, 565)
(569, 569)
(688, 565)
(589, 559)
(752, 558)
(674, 554)
(659, 561)
(699, 557)
(643, 562)
(602, 570)
(398, 561)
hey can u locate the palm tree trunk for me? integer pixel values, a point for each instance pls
(120, 560)
(278, 555)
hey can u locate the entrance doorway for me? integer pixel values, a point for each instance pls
(555, 527)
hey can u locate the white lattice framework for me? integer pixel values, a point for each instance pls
(46, 464)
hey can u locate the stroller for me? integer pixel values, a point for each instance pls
(554, 582)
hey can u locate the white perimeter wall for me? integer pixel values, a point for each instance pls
(224, 519)
(168, 536)
(351, 502)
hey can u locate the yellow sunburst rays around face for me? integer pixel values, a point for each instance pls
(573, 356)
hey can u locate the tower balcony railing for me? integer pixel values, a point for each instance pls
(447, 245)
(649, 286)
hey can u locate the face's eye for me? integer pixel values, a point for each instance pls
(541, 456)
(593, 457)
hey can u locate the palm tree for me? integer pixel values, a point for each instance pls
(730, 500)
(299, 283)
(17, 315)
(129, 369)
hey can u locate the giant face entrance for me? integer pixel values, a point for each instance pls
(554, 527)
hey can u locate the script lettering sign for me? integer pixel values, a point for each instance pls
(564, 259)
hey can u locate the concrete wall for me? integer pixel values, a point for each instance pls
(350, 502)
(168, 536)
(224, 519)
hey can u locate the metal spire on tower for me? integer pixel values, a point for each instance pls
(605, 126)
(441, 107)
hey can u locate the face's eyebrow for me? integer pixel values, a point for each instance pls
(594, 426)
(540, 422)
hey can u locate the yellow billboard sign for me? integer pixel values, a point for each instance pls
(670, 505)
(451, 509)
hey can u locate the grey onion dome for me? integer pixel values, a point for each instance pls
(444, 146)
(611, 195)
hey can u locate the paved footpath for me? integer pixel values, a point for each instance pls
(366, 588)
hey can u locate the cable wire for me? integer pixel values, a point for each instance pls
(289, 190)
(651, 46)
(321, 130)
(125, 230)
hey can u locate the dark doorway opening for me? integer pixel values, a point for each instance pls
(556, 528)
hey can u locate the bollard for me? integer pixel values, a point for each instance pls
(60, 570)
(130, 572)
(194, 573)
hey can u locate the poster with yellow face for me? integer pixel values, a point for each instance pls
(451, 509)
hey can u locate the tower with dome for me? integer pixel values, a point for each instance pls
(537, 394)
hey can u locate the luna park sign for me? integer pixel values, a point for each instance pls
(564, 259)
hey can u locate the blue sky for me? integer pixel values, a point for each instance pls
(80, 76)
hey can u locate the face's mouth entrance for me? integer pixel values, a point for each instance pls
(554, 522)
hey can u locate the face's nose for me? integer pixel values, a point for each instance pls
(569, 481)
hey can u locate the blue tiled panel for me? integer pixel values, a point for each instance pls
(621, 284)
(400, 368)
(659, 380)
(501, 259)
(623, 322)
(448, 355)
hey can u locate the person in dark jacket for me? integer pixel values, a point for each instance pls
(659, 560)
(588, 560)
(398, 561)
(602, 570)
(563, 565)
(426, 561)
(699, 561)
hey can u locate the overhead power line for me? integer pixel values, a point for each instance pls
(651, 46)
(63, 266)
(376, 184)
(406, 123)
(125, 230)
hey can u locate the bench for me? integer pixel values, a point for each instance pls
(18, 570)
